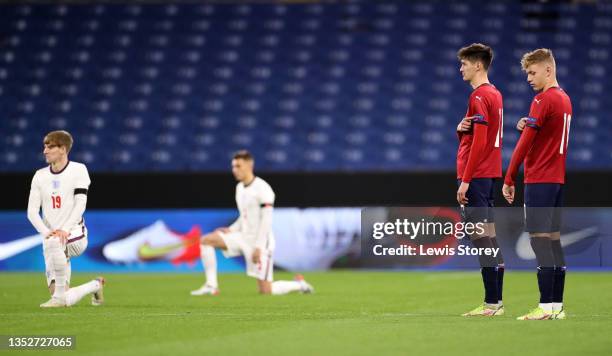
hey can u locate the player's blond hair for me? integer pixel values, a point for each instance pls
(539, 55)
(60, 138)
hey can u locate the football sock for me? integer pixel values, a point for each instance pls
(488, 270)
(74, 295)
(284, 287)
(500, 270)
(546, 270)
(209, 261)
(547, 307)
(54, 252)
(560, 269)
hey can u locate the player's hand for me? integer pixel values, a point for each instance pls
(224, 230)
(465, 124)
(257, 255)
(62, 235)
(508, 192)
(520, 125)
(461, 193)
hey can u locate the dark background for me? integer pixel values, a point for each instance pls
(207, 190)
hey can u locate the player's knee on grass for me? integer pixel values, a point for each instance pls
(265, 287)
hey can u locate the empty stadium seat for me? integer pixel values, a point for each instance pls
(318, 87)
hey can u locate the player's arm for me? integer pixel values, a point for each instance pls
(34, 203)
(520, 151)
(537, 118)
(265, 226)
(530, 127)
(464, 126)
(479, 142)
(266, 201)
(80, 202)
(524, 144)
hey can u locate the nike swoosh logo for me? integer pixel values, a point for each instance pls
(147, 252)
(15, 247)
(524, 250)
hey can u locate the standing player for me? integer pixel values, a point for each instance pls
(478, 165)
(61, 190)
(250, 236)
(543, 147)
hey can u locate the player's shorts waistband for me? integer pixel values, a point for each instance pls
(74, 239)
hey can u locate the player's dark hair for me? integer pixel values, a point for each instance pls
(243, 154)
(477, 52)
(59, 138)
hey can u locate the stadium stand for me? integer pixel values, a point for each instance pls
(358, 86)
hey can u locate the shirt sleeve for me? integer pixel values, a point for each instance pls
(479, 143)
(266, 201)
(518, 156)
(537, 112)
(478, 110)
(82, 180)
(34, 204)
(80, 199)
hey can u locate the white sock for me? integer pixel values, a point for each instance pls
(73, 295)
(56, 257)
(68, 272)
(284, 287)
(547, 307)
(209, 261)
(557, 307)
(500, 303)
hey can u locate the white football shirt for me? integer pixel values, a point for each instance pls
(251, 199)
(55, 192)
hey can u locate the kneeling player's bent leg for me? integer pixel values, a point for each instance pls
(209, 258)
(285, 287)
(263, 271)
(57, 265)
(264, 287)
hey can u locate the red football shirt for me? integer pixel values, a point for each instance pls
(486, 106)
(551, 115)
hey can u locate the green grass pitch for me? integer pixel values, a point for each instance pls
(354, 313)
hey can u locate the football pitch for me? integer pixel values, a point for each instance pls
(355, 313)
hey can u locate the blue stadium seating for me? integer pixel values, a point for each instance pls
(357, 86)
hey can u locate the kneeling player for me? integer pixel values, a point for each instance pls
(250, 236)
(61, 189)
